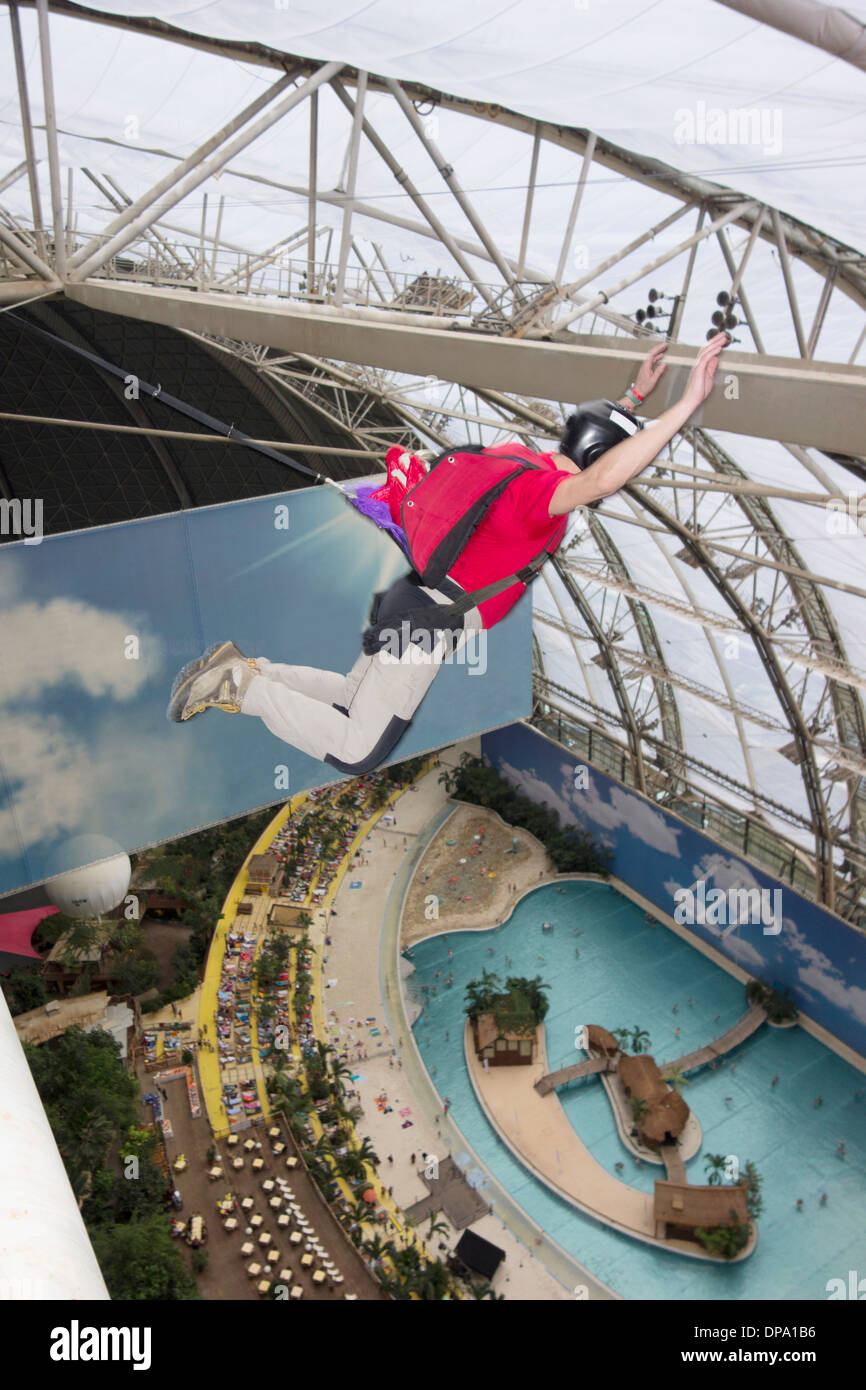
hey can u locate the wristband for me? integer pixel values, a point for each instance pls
(633, 393)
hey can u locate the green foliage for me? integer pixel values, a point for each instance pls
(87, 1095)
(779, 1005)
(24, 989)
(714, 1167)
(50, 930)
(481, 993)
(202, 867)
(726, 1241)
(140, 1261)
(92, 1104)
(676, 1079)
(272, 959)
(752, 1184)
(570, 850)
(519, 1008)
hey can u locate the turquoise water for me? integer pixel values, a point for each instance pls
(621, 972)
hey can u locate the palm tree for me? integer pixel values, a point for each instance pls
(375, 1248)
(481, 1291)
(676, 1079)
(436, 1228)
(340, 1071)
(479, 993)
(366, 1152)
(434, 1282)
(715, 1165)
(639, 1109)
(639, 1040)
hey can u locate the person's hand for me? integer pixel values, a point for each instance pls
(652, 369)
(702, 375)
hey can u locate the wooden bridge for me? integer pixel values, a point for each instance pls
(692, 1061)
(553, 1079)
(744, 1028)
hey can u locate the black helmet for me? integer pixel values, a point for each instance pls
(594, 428)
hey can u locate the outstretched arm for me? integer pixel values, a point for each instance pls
(652, 369)
(626, 460)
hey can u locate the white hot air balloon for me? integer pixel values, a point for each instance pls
(97, 887)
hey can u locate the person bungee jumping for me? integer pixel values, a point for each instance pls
(477, 525)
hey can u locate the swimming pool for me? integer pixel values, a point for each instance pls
(606, 965)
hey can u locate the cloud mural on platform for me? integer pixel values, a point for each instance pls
(96, 623)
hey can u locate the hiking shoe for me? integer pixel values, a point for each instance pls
(217, 680)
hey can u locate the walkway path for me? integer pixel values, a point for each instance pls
(741, 1030)
(593, 1067)
(353, 960)
(538, 1129)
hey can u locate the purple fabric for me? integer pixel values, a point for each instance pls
(377, 511)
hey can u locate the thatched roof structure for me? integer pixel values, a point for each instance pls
(667, 1113)
(487, 1031)
(600, 1040)
(667, 1117)
(682, 1204)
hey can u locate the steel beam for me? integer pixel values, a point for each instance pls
(51, 139)
(201, 170)
(604, 296)
(575, 207)
(163, 185)
(27, 129)
(22, 253)
(408, 187)
(447, 172)
(809, 403)
(790, 289)
(351, 179)
(311, 197)
(530, 198)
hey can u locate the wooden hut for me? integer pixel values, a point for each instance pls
(680, 1207)
(264, 874)
(666, 1112)
(502, 1049)
(600, 1041)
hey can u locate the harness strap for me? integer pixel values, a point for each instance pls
(449, 615)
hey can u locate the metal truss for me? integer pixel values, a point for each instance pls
(248, 306)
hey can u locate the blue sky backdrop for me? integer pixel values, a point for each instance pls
(85, 746)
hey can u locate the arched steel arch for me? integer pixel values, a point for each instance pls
(825, 881)
(812, 606)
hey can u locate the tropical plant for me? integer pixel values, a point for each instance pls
(639, 1108)
(480, 994)
(715, 1166)
(640, 1040)
(436, 1227)
(752, 1184)
(675, 1078)
(726, 1241)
